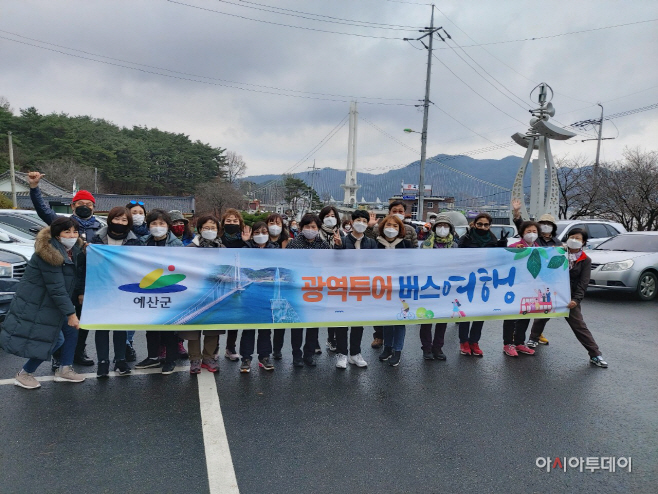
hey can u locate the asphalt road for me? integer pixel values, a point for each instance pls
(464, 425)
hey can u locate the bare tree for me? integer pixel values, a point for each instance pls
(4, 104)
(629, 190)
(235, 167)
(217, 196)
(64, 172)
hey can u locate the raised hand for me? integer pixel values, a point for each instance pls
(33, 179)
(246, 233)
(337, 239)
(373, 219)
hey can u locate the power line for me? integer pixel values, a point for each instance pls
(471, 88)
(346, 99)
(535, 38)
(631, 112)
(280, 23)
(336, 20)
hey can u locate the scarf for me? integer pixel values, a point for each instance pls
(436, 242)
(387, 244)
(327, 234)
(573, 257)
(480, 240)
(87, 224)
(204, 242)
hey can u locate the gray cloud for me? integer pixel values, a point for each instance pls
(273, 132)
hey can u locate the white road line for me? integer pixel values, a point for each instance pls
(221, 474)
(92, 375)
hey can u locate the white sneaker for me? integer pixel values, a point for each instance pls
(26, 380)
(357, 360)
(66, 374)
(341, 361)
(233, 357)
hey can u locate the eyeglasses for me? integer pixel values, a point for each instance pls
(135, 203)
(482, 225)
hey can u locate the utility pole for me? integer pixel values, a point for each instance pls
(426, 108)
(598, 146)
(95, 180)
(310, 190)
(12, 173)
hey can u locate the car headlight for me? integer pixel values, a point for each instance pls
(618, 266)
(6, 270)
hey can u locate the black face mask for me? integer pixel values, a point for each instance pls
(83, 212)
(482, 233)
(231, 229)
(118, 228)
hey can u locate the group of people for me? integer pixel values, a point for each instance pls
(43, 319)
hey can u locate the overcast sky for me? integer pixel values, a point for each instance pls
(215, 61)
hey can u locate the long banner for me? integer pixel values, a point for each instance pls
(163, 288)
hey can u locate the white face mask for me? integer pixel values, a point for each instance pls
(530, 238)
(310, 234)
(399, 216)
(209, 234)
(158, 231)
(546, 228)
(138, 219)
(329, 221)
(574, 244)
(443, 231)
(274, 230)
(68, 243)
(424, 229)
(359, 227)
(391, 232)
(261, 238)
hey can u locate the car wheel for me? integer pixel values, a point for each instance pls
(647, 286)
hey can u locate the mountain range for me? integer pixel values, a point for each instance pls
(458, 176)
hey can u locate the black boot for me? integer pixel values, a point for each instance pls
(395, 359)
(438, 354)
(131, 355)
(386, 354)
(81, 358)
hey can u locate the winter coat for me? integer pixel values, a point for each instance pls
(349, 242)
(250, 244)
(101, 238)
(170, 241)
(199, 241)
(141, 230)
(329, 237)
(43, 299)
(468, 240)
(236, 243)
(579, 275)
(88, 227)
(409, 234)
(300, 242)
(432, 243)
(402, 244)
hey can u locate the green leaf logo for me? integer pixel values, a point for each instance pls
(556, 262)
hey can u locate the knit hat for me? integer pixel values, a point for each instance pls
(444, 218)
(176, 215)
(548, 218)
(83, 195)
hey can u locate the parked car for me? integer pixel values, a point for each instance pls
(598, 231)
(627, 262)
(23, 223)
(12, 267)
(16, 244)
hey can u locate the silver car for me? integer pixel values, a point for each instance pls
(627, 262)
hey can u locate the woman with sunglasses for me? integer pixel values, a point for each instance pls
(477, 237)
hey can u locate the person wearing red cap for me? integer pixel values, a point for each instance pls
(83, 204)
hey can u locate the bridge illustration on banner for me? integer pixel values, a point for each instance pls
(228, 283)
(282, 311)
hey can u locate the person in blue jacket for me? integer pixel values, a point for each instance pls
(83, 204)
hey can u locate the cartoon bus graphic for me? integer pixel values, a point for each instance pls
(535, 305)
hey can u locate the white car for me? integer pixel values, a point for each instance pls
(598, 231)
(627, 262)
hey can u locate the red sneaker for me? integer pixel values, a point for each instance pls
(464, 348)
(475, 350)
(510, 350)
(524, 349)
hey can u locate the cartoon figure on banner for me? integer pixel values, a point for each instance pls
(405, 314)
(456, 310)
(540, 303)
